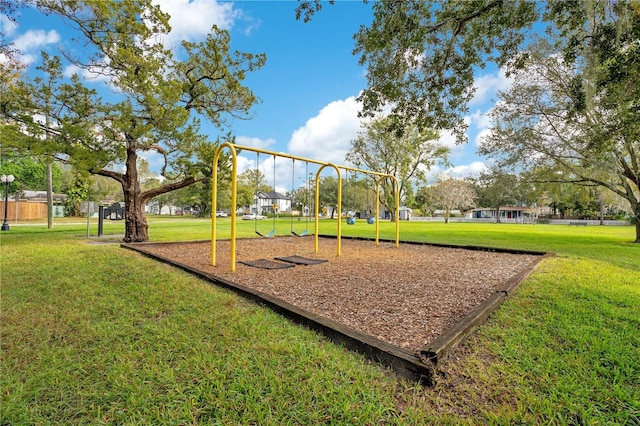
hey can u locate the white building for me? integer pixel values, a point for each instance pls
(270, 202)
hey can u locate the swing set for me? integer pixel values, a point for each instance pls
(234, 198)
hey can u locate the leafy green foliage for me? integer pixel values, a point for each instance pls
(421, 55)
(29, 174)
(328, 197)
(77, 192)
(250, 182)
(576, 135)
(496, 189)
(406, 153)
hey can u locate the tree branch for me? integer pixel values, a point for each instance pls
(146, 195)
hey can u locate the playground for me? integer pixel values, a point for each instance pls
(408, 305)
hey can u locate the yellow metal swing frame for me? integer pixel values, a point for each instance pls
(234, 197)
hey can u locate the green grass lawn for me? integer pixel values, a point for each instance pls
(94, 334)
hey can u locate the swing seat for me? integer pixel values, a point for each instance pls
(371, 220)
(269, 235)
(351, 221)
(301, 234)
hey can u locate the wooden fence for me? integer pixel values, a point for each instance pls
(24, 210)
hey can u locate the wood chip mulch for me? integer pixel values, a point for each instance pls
(405, 296)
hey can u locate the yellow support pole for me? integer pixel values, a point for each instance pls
(339, 202)
(397, 192)
(316, 212)
(234, 202)
(378, 209)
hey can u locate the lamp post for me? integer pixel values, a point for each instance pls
(6, 180)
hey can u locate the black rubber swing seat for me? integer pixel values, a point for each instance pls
(299, 260)
(267, 264)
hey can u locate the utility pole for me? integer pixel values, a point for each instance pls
(49, 178)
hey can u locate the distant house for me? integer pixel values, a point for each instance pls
(404, 213)
(41, 197)
(153, 207)
(270, 202)
(507, 213)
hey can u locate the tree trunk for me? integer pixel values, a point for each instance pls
(498, 215)
(136, 228)
(49, 178)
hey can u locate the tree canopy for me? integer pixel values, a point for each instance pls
(421, 56)
(453, 194)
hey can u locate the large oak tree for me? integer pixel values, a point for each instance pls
(557, 117)
(158, 97)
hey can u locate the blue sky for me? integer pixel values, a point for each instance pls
(308, 86)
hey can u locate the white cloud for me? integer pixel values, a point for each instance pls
(33, 39)
(30, 42)
(481, 135)
(8, 26)
(192, 19)
(255, 142)
(245, 163)
(327, 136)
(463, 171)
(29, 59)
(487, 86)
(247, 160)
(480, 120)
(447, 138)
(466, 170)
(282, 172)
